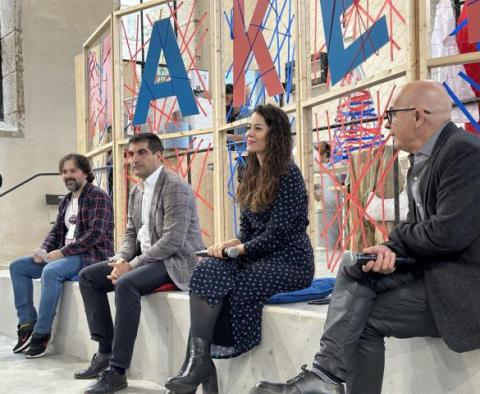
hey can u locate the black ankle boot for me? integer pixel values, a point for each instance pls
(199, 369)
(184, 367)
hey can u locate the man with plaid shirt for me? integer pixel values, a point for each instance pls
(82, 235)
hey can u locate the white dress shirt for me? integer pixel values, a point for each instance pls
(148, 186)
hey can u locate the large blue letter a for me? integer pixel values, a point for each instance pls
(163, 37)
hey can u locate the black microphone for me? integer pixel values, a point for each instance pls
(351, 258)
(227, 252)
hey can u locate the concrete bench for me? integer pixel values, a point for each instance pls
(290, 338)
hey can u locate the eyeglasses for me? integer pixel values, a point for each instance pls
(391, 112)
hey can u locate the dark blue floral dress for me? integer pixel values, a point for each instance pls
(278, 258)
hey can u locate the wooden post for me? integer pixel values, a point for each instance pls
(218, 97)
(119, 182)
(303, 115)
(414, 47)
(422, 37)
(81, 101)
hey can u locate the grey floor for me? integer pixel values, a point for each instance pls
(50, 374)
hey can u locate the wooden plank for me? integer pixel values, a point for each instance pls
(382, 77)
(423, 39)
(140, 7)
(304, 116)
(218, 119)
(463, 58)
(413, 51)
(119, 181)
(102, 149)
(80, 102)
(104, 26)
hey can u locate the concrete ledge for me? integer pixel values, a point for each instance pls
(290, 338)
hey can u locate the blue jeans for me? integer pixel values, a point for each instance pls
(23, 270)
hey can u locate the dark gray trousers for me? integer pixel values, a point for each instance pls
(94, 286)
(366, 308)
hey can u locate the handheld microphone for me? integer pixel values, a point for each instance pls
(351, 258)
(227, 252)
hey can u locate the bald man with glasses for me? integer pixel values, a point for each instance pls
(437, 296)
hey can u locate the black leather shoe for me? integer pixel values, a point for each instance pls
(306, 382)
(98, 364)
(108, 382)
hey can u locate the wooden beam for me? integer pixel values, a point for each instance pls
(219, 194)
(336, 93)
(102, 149)
(80, 102)
(413, 48)
(464, 58)
(104, 26)
(140, 7)
(423, 22)
(119, 182)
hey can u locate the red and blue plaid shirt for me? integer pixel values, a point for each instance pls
(94, 227)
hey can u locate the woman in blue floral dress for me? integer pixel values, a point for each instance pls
(275, 255)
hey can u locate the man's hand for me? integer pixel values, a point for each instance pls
(55, 255)
(120, 267)
(385, 262)
(37, 259)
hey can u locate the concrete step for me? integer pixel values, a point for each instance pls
(290, 338)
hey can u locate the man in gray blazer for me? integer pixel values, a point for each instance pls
(159, 246)
(437, 296)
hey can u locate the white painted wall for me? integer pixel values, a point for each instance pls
(53, 33)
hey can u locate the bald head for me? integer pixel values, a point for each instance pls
(430, 96)
(420, 109)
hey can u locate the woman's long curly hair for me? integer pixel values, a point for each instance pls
(259, 184)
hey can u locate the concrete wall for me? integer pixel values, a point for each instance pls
(52, 33)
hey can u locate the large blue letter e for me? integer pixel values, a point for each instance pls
(163, 37)
(343, 60)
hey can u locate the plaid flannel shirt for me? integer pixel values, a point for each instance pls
(94, 230)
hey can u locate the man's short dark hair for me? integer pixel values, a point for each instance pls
(154, 143)
(229, 88)
(81, 162)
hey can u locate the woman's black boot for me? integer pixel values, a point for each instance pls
(183, 367)
(200, 369)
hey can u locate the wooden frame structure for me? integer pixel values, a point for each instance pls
(417, 65)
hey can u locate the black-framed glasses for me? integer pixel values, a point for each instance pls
(391, 112)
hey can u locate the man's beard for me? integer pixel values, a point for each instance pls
(72, 185)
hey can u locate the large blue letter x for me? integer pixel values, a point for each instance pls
(163, 37)
(341, 60)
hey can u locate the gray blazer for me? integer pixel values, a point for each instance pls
(446, 245)
(174, 228)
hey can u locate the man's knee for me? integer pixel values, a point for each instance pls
(124, 284)
(372, 340)
(90, 274)
(84, 275)
(373, 330)
(50, 274)
(16, 267)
